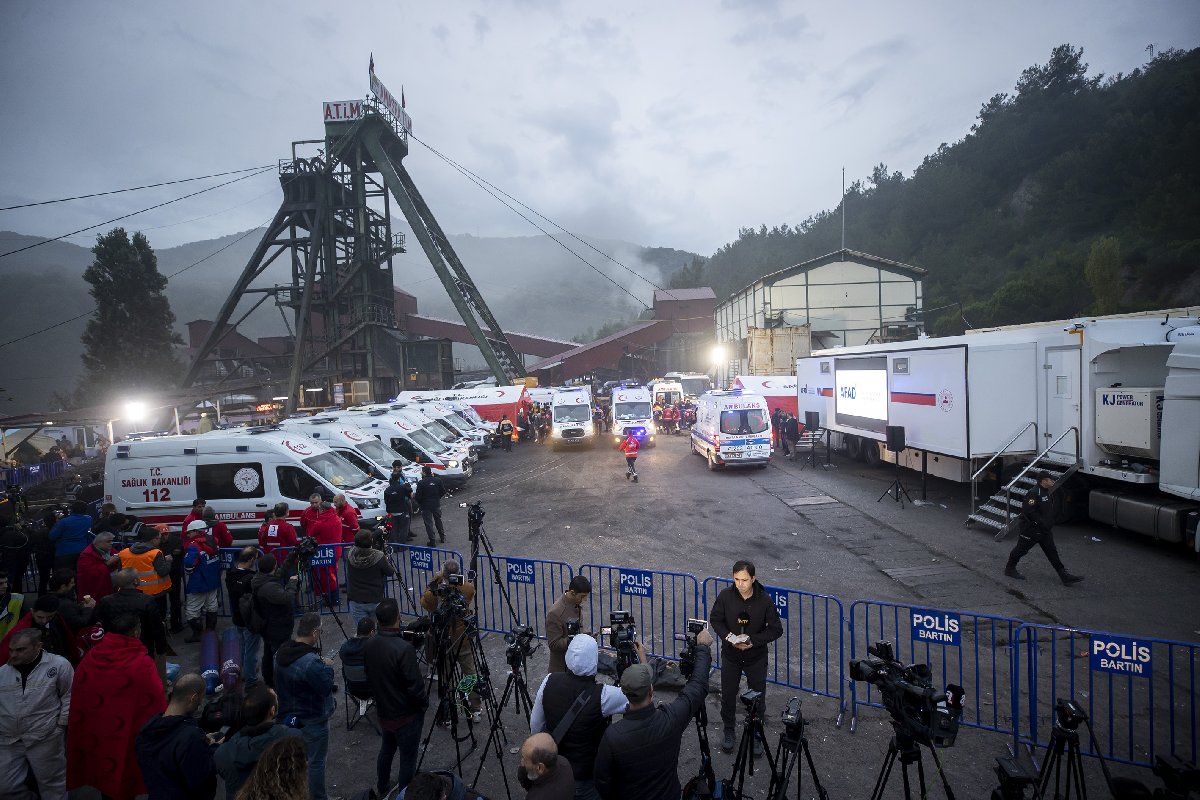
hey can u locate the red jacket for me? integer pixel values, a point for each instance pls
(57, 638)
(308, 518)
(630, 446)
(327, 529)
(276, 533)
(92, 575)
(349, 517)
(115, 691)
(220, 530)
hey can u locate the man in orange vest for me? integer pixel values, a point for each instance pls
(152, 567)
(630, 448)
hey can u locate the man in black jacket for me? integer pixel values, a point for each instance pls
(1039, 513)
(367, 571)
(275, 590)
(744, 617)
(397, 502)
(175, 756)
(639, 755)
(399, 693)
(238, 583)
(129, 599)
(429, 499)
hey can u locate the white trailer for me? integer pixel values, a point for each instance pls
(1079, 396)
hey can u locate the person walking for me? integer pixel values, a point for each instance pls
(35, 703)
(400, 696)
(429, 494)
(175, 756)
(1042, 509)
(304, 681)
(746, 620)
(630, 448)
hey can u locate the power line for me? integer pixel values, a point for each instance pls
(133, 188)
(133, 214)
(495, 191)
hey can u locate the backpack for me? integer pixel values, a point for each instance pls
(255, 622)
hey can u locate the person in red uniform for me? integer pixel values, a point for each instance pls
(327, 529)
(276, 531)
(308, 517)
(349, 514)
(630, 448)
(196, 513)
(97, 563)
(219, 530)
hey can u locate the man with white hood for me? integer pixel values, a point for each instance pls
(574, 709)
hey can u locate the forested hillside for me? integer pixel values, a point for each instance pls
(1067, 169)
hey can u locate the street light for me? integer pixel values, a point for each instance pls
(135, 411)
(718, 355)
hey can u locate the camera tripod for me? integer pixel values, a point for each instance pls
(516, 688)
(306, 585)
(1064, 739)
(793, 742)
(906, 747)
(752, 729)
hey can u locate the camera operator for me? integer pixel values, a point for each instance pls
(397, 502)
(745, 618)
(367, 571)
(639, 754)
(439, 600)
(579, 736)
(563, 616)
(274, 591)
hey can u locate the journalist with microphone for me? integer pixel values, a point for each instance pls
(744, 617)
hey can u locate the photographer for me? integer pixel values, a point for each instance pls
(639, 754)
(745, 618)
(274, 597)
(304, 681)
(563, 614)
(579, 736)
(450, 599)
(367, 571)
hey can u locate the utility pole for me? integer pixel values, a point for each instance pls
(843, 208)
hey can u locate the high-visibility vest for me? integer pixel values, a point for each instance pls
(11, 613)
(151, 582)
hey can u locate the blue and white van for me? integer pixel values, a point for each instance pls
(732, 429)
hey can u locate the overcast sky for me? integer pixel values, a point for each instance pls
(663, 123)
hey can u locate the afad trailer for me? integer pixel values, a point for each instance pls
(1109, 405)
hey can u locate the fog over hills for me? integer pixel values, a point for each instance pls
(532, 284)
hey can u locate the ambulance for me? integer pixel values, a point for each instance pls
(242, 473)
(443, 433)
(571, 418)
(476, 438)
(732, 428)
(632, 413)
(405, 433)
(354, 444)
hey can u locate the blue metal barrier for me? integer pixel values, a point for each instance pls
(416, 567)
(533, 586)
(810, 655)
(1139, 692)
(972, 650)
(661, 603)
(34, 474)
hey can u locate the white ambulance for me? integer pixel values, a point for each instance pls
(242, 473)
(632, 413)
(444, 434)
(476, 439)
(571, 417)
(732, 429)
(405, 433)
(354, 444)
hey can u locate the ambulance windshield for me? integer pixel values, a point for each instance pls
(339, 472)
(381, 454)
(743, 422)
(628, 411)
(572, 413)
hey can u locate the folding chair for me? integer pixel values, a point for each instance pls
(357, 694)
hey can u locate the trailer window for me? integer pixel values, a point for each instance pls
(296, 484)
(229, 481)
(743, 422)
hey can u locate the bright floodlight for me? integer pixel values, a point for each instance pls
(135, 411)
(718, 354)
(282, 397)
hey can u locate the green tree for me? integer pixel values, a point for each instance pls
(1103, 273)
(129, 341)
(689, 277)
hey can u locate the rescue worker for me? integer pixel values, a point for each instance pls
(202, 564)
(276, 531)
(505, 431)
(1040, 511)
(348, 513)
(152, 566)
(327, 529)
(630, 448)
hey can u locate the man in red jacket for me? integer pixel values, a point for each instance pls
(308, 517)
(95, 568)
(276, 531)
(219, 530)
(196, 513)
(116, 690)
(349, 514)
(630, 448)
(327, 529)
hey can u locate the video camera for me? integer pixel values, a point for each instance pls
(306, 548)
(622, 637)
(573, 627)
(521, 640)
(687, 659)
(918, 711)
(475, 512)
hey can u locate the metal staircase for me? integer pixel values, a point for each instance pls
(1002, 508)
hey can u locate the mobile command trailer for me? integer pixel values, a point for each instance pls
(571, 414)
(1084, 396)
(632, 413)
(354, 444)
(399, 431)
(732, 429)
(242, 473)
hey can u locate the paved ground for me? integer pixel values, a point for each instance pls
(815, 530)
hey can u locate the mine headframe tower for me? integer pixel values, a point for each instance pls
(340, 250)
